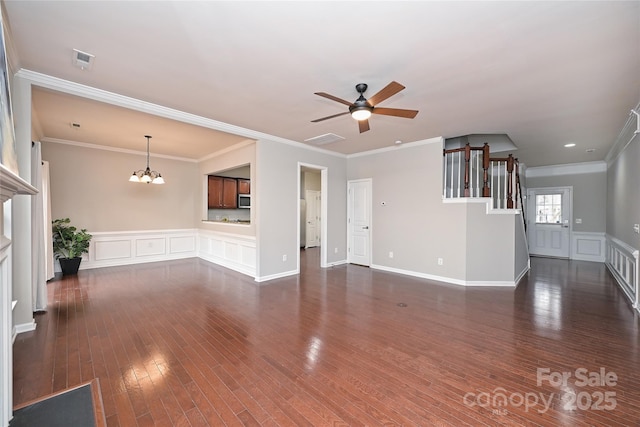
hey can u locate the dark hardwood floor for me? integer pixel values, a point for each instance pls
(188, 343)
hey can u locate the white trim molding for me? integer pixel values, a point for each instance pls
(277, 276)
(11, 184)
(622, 262)
(453, 281)
(588, 246)
(77, 89)
(23, 327)
(234, 251)
(110, 249)
(435, 140)
(566, 169)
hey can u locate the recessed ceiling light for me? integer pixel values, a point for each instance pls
(398, 142)
(570, 145)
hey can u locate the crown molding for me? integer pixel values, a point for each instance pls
(84, 91)
(234, 147)
(621, 142)
(114, 149)
(435, 140)
(566, 169)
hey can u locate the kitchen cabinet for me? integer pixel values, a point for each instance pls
(222, 193)
(244, 186)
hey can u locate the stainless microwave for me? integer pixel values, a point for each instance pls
(244, 201)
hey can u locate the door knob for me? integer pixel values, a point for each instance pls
(366, 227)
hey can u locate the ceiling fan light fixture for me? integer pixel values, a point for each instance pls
(361, 113)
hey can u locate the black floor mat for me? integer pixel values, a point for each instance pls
(71, 408)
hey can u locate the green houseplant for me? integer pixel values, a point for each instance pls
(69, 244)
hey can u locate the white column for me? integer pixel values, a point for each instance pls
(10, 184)
(21, 210)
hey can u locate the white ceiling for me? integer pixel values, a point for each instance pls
(545, 73)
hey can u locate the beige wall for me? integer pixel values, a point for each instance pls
(91, 187)
(589, 197)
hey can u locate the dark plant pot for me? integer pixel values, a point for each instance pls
(70, 265)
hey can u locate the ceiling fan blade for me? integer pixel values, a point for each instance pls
(363, 125)
(387, 92)
(397, 112)
(334, 98)
(329, 117)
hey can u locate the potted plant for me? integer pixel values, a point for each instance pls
(69, 244)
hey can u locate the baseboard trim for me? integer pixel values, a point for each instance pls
(336, 263)
(450, 280)
(23, 327)
(228, 264)
(277, 276)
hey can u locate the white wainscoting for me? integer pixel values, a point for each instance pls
(587, 246)
(110, 249)
(234, 251)
(622, 261)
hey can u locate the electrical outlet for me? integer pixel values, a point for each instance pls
(578, 220)
(636, 228)
(390, 254)
(440, 261)
(284, 258)
(335, 250)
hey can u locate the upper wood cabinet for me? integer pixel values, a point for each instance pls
(222, 193)
(244, 186)
(230, 193)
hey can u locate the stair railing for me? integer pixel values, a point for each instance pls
(466, 172)
(472, 172)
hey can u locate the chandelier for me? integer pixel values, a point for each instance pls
(147, 175)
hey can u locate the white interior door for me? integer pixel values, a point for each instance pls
(359, 222)
(312, 232)
(549, 221)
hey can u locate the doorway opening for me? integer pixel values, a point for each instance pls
(312, 210)
(549, 221)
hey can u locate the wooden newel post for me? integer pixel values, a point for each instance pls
(510, 182)
(486, 161)
(467, 161)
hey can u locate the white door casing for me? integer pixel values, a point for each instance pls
(359, 221)
(312, 219)
(549, 220)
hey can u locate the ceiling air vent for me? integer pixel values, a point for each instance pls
(82, 60)
(327, 138)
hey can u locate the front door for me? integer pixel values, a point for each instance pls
(359, 222)
(549, 221)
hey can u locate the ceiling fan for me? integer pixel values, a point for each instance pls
(362, 108)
